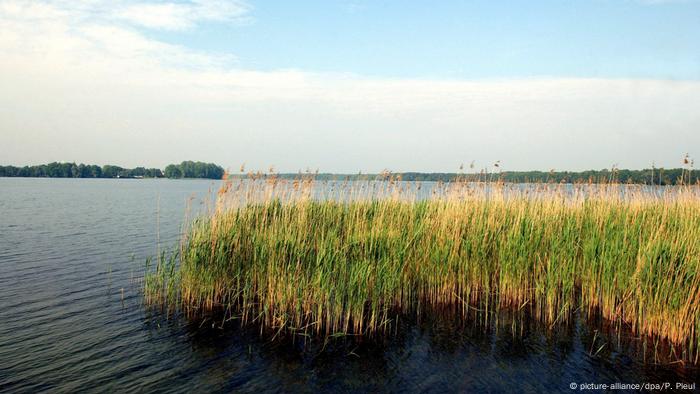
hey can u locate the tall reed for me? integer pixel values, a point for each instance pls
(330, 258)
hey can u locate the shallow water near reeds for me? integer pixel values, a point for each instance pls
(72, 319)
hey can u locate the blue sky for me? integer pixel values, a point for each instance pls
(351, 86)
(463, 39)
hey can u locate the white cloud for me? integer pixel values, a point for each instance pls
(179, 16)
(168, 15)
(79, 84)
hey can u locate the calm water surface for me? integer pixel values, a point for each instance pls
(71, 317)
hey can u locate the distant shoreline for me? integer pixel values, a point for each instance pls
(656, 176)
(201, 170)
(184, 170)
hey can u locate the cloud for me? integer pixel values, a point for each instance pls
(89, 36)
(180, 16)
(78, 83)
(166, 15)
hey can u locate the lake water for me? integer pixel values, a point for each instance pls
(71, 317)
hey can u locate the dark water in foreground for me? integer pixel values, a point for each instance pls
(71, 317)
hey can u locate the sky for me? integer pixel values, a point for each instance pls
(348, 86)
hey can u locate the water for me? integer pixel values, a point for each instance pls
(71, 317)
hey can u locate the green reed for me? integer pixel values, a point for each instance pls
(278, 254)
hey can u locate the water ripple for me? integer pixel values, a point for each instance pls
(68, 247)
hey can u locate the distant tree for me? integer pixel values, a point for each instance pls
(152, 173)
(173, 171)
(74, 171)
(95, 171)
(191, 169)
(138, 171)
(110, 171)
(83, 171)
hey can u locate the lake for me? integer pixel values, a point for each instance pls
(72, 319)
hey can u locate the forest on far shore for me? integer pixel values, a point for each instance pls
(198, 169)
(186, 169)
(650, 176)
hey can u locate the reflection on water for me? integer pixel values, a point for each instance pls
(437, 354)
(69, 249)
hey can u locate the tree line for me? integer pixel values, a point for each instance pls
(655, 176)
(186, 169)
(192, 169)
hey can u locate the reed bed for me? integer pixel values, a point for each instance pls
(346, 258)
